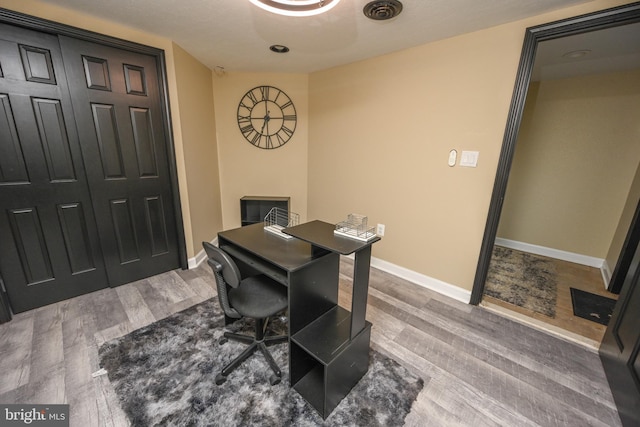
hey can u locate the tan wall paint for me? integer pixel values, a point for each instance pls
(88, 22)
(246, 170)
(380, 132)
(195, 93)
(576, 156)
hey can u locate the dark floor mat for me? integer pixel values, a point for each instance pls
(591, 306)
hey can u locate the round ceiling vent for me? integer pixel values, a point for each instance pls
(381, 10)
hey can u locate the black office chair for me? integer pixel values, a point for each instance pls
(257, 297)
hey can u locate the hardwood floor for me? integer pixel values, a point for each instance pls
(479, 368)
(569, 275)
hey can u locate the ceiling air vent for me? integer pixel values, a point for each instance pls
(383, 9)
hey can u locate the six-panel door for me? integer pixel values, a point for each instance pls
(85, 189)
(49, 248)
(118, 111)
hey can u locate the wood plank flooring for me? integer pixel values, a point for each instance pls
(569, 275)
(479, 368)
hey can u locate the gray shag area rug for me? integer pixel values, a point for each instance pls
(164, 374)
(522, 279)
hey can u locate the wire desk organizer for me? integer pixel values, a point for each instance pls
(277, 219)
(355, 227)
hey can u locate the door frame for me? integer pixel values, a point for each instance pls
(46, 26)
(621, 15)
(626, 253)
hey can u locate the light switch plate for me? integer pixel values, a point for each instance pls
(469, 159)
(453, 155)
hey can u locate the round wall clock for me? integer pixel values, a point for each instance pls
(266, 117)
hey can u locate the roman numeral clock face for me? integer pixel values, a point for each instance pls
(266, 117)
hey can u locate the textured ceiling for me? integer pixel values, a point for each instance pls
(236, 35)
(611, 49)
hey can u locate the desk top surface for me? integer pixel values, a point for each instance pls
(289, 254)
(320, 233)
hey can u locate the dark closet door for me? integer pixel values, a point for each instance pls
(620, 348)
(116, 98)
(49, 248)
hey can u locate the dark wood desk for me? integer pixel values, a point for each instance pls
(328, 345)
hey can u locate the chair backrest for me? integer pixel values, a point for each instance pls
(226, 273)
(229, 270)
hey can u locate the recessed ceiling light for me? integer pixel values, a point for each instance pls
(296, 7)
(575, 54)
(278, 48)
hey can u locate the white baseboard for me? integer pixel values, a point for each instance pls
(606, 273)
(436, 285)
(551, 253)
(562, 255)
(200, 256)
(453, 291)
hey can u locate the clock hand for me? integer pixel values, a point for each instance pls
(266, 120)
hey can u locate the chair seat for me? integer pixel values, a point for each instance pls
(258, 297)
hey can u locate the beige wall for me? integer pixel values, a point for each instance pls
(380, 132)
(65, 16)
(576, 156)
(195, 95)
(246, 170)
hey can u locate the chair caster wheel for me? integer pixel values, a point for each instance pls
(274, 379)
(220, 379)
(222, 340)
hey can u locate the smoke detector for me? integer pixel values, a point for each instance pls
(381, 10)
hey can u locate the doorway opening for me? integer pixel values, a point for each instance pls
(567, 183)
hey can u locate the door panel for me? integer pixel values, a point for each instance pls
(49, 248)
(135, 80)
(119, 118)
(54, 139)
(626, 327)
(154, 210)
(96, 72)
(29, 240)
(620, 347)
(37, 64)
(125, 231)
(13, 169)
(143, 141)
(104, 120)
(76, 237)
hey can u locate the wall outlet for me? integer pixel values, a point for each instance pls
(380, 230)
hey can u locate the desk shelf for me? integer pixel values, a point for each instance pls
(325, 362)
(311, 387)
(325, 336)
(253, 209)
(256, 264)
